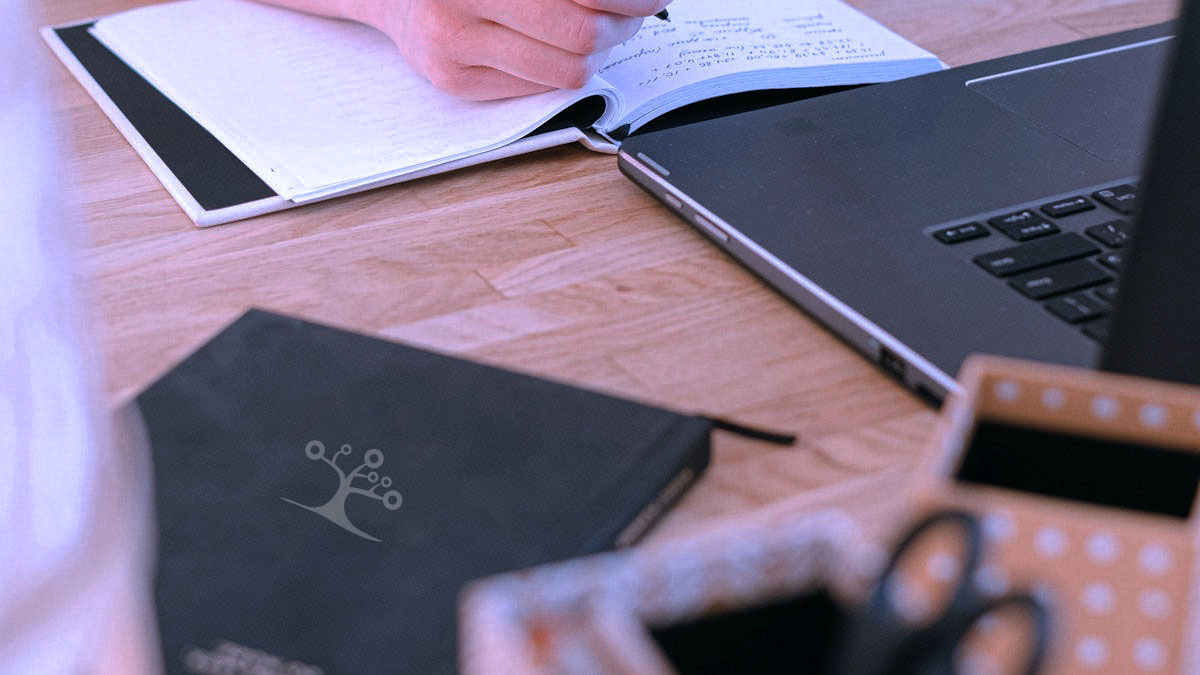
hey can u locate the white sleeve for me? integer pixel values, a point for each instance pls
(72, 527)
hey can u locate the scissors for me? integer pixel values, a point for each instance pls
(879, 640)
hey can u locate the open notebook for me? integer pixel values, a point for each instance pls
(316, 107)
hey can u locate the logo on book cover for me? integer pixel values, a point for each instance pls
(356, 482)
(230, 658)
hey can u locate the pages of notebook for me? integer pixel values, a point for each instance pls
(329, 106)
(318, 107)
(713, 47)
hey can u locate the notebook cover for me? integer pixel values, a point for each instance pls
(273, 549)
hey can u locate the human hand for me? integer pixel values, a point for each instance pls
(489, 49)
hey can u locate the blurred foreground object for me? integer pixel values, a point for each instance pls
(778, 594)
(966, 627)
(1085, 484)
(761, 592)
(1064, 533)
(72, 508)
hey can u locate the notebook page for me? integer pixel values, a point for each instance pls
(785, 43)
(312, 104)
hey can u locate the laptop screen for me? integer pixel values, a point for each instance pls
(1156, 325)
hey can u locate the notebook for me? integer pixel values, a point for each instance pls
(321, 495)
(314, 107)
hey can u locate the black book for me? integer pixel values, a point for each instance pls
(322, 496)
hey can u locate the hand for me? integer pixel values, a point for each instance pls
(489, 49)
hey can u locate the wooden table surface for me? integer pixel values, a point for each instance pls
(551, 263)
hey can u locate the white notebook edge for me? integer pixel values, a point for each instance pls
(588, 138)
(202, 217)
(197, 213)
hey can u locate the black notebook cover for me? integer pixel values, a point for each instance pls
(213, 176)
(274, 546)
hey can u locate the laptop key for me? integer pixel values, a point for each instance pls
(1023, 225)
(1076, 307)
(1068, 206)
(1097, 330)
(1114, 233)
(1061, 278)
(1122, 198)
(1107, 293)
(1040, 253)
(964, 232)
(1112, 261)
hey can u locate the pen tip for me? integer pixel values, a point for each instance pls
(663, 15)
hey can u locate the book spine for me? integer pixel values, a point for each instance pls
(689, 469)
(695, 436)
(655, 510)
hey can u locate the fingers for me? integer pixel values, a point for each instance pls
(626, 7)
(498, 47)
(479, 83)
(487, 49)
(563, 23)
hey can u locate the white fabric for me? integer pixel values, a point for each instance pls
(69, 563)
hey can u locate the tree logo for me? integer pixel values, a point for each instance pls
(334, 510)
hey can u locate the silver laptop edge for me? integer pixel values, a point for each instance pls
(867, 337)
(1059, 62)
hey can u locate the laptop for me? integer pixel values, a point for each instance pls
(985, 208)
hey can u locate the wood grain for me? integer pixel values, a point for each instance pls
(550, 263)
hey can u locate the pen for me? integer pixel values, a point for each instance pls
(663, 15)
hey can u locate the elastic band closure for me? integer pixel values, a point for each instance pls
(757, 433)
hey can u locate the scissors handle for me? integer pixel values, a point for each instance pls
(881, 599)
(880, 641)
(933, 651)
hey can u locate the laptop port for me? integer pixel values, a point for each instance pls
(893, 364)
(926, 394)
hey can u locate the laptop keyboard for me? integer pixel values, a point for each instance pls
(1059, 255)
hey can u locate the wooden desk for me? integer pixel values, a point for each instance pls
(551, 263)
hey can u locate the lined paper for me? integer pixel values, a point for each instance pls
(317, 106)
(709, 47)
(312, 105)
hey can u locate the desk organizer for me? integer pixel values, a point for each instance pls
(1086, 486)
(596, 615)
